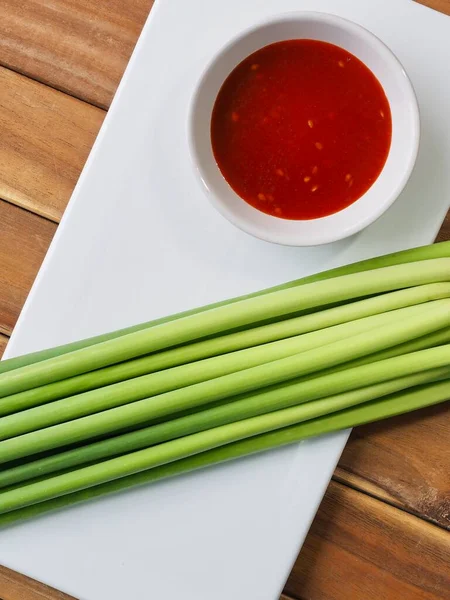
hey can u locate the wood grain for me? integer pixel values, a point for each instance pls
(444, 233)
(360, 549)
(24, 239)
(405, 461)
(442, 6)
(3, 342)
(77, 46)
(14, 586)
(46, 137)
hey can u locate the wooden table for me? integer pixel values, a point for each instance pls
(382, 531)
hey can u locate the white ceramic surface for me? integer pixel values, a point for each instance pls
(129, 249)
(405, 129)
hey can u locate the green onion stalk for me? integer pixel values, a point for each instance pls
(128, 391)
(217, 346)
(441, 250)
(58, 492)
(218, 320)
(220, 388)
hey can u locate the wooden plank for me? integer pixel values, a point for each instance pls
(77, 46)
(359, 548)
(442, 6)
(3, 342)
(444, 233)
(14, 586)
(24, 239)
(405, 461)
(46, 137)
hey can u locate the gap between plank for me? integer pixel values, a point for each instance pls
(53, 87)
(31, 212)
(354, 486)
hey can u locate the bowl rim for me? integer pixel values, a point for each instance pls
(324, 237)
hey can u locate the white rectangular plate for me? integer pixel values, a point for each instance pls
(139, 240)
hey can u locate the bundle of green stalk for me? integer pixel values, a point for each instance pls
(324, 353)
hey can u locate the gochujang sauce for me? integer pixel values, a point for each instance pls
(301, 129)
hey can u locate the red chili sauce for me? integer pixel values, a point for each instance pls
(301, 129)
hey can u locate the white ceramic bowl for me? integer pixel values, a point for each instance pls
(405, 129)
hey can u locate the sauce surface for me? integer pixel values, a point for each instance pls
(301, 129)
